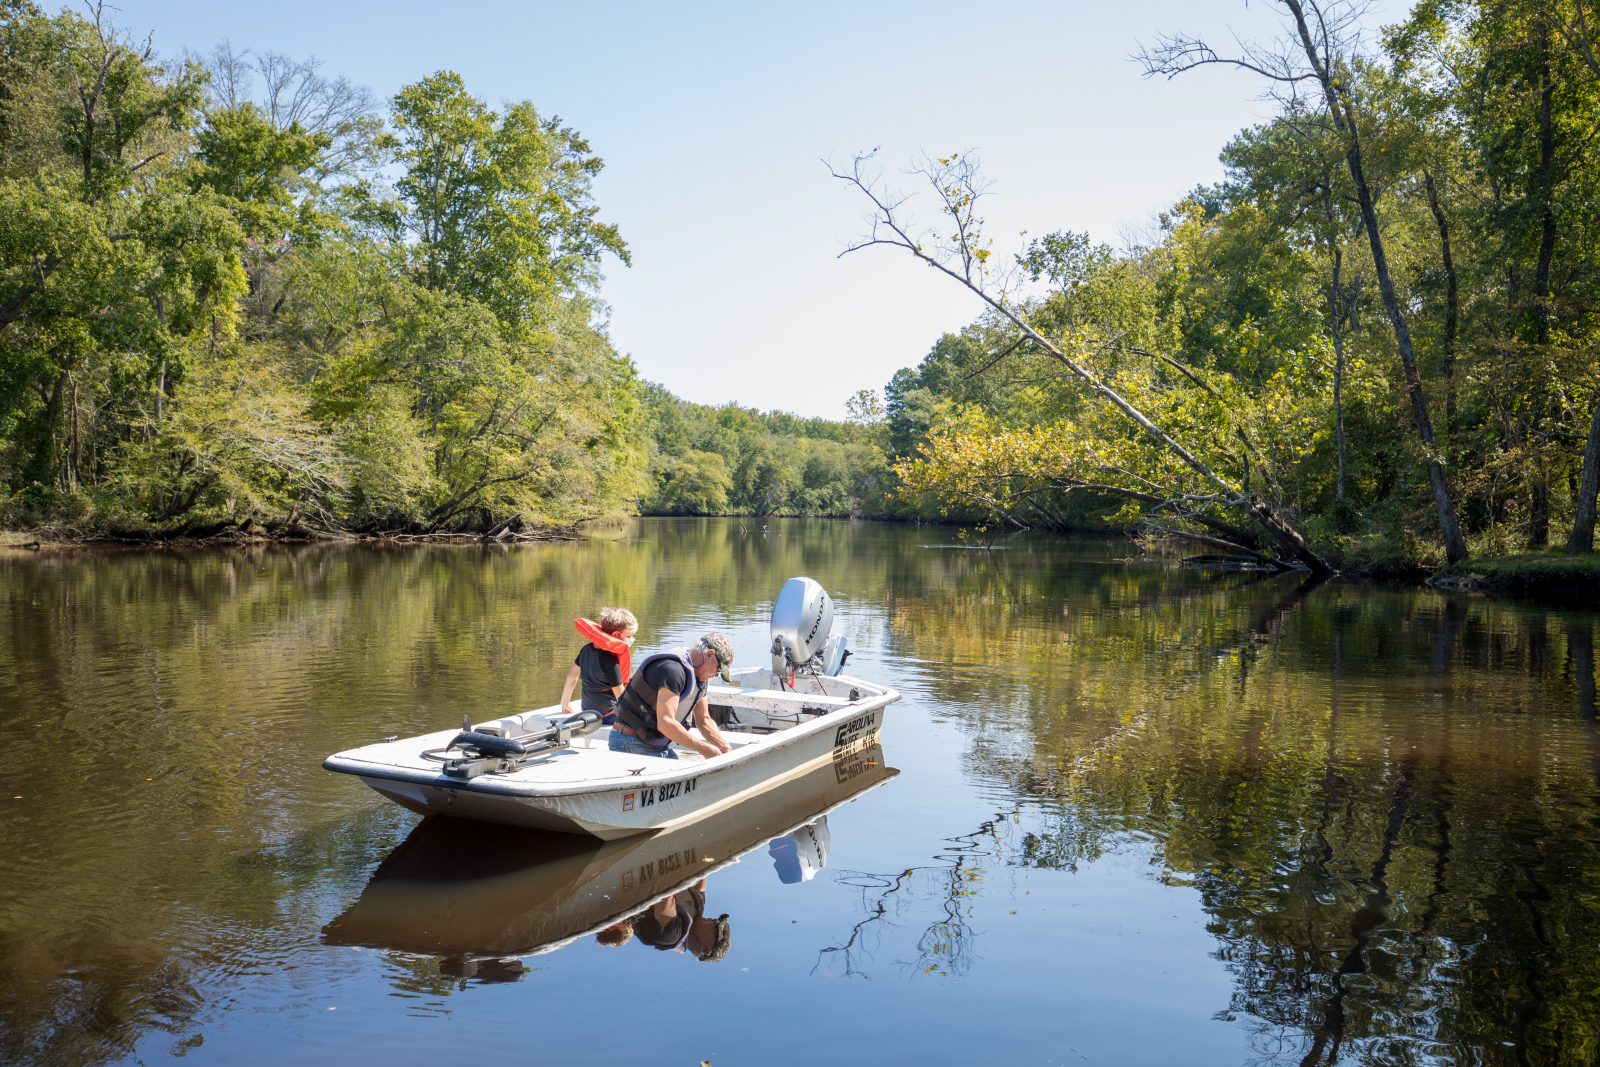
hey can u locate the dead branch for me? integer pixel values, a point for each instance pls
(888, 226)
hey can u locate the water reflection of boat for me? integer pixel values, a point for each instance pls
(467, 890)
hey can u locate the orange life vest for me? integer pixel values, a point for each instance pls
(607, 643)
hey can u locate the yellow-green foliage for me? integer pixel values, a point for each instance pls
(1251, 331)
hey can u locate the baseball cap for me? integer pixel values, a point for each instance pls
(722, 648)
(718, 948)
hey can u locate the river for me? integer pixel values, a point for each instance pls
(1142, 815)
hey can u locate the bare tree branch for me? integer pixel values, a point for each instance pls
(888, 226)
(1010, 348)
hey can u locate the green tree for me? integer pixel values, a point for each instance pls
(498, 206)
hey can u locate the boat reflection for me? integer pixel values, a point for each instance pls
(477, 892)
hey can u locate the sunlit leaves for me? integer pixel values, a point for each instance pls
(260, 169)
(189, 329)
(498, 205)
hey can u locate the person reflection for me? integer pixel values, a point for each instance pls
(616, 935)
(676, 923)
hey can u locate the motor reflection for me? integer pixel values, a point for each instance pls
(798, 856)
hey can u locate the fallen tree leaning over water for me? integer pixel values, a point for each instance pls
(1133, 457)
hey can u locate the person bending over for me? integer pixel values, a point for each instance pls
(679, 922)
(666, 691)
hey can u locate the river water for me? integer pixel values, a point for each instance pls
(1141, 814)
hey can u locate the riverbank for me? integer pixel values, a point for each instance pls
(63, 537)
(1557, 576)
(1550, 576)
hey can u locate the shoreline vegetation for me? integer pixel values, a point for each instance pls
(223, 535)
(241, 300)
(1553, 577)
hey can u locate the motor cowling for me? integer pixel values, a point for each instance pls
(802, 624)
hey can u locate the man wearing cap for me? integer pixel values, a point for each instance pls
(655, 707)
(679, 923)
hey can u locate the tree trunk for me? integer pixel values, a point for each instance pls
(74, 464)
(49, 461)
(1538, 507)
(1452, 307)
(1539, 476)
(1546, 193)
(1336, 333)
(1582, 538)
(1455, 545)
(161, 390)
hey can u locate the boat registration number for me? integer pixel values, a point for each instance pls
(658, 794)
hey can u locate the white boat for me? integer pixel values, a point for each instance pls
(544, 770)
(483, 893)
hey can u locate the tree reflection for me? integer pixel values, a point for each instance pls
(952, 882)
(1387, 802)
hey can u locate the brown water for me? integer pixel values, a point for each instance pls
(1141, 816)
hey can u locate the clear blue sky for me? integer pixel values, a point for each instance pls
(713, 120)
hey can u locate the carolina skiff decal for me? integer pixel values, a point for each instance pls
(855, 728)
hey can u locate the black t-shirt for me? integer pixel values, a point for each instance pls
(672, 933)
(600, 671)
(666, 673)
(670, 674)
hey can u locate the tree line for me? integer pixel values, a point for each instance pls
(237, 292)
(735, 460)
(1372, 344)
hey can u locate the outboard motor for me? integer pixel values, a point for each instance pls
(802, 621)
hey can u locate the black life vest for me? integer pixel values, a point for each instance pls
(636, 707)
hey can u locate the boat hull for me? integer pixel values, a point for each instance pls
(590, 790)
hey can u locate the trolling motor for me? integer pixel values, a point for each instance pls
(802, 618)
(480, 752)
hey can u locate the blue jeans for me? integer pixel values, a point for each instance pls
(621, 742)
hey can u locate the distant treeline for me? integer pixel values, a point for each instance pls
(732, 460)
(237, 292)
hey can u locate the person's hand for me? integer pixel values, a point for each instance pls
(566, 707)
(707, 749)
